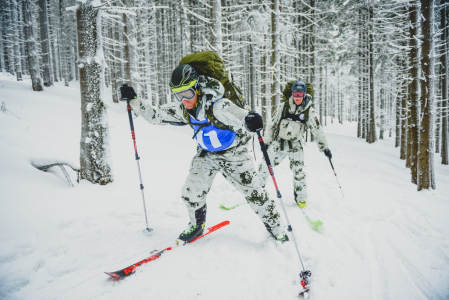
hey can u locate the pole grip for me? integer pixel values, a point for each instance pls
(263, 148)
(131, 124)
(331, 164)
(267, 160)
(130, 116)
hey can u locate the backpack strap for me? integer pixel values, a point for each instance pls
(284, 116)
(212, 120)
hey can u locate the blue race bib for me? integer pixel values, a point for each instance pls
(211, 138)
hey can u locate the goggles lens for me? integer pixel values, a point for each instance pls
(187, 94)
(298, 94)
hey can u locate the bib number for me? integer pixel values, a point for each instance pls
(213, 139)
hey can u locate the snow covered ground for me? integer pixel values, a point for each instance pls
(383, 240)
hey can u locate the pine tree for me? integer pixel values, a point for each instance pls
(426, 177)
(94, 153)
(31, 44)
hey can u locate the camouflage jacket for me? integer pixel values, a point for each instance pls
(212, 92)
(282, 128)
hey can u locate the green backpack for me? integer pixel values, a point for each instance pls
(208, 63)
(287, 93)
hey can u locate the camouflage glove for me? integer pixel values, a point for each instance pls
(328, 153)
(266, 146)
(127, 92)
(253, 121)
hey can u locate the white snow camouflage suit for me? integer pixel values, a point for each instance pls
(234, 162)
(285, 135)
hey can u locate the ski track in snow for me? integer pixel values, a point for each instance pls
(383, 240)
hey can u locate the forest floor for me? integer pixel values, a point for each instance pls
(383, 240)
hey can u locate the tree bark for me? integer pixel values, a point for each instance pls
(33, 57)
(7, 38)
(312, 50)
(414, 89)
(64, 43)
(216, 33)
(444, 84)
(426, 172)
(275, 57)
(94, 145)
(15, 25)
(372, 136)
(402, 119)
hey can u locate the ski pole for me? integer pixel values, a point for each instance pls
(127, 98)
(336, 177)
(304, 273)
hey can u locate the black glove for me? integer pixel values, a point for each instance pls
(328, 153)
(253, 121)
(127, 92)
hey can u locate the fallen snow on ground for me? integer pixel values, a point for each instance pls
(383, 240)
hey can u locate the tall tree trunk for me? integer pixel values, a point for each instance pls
(33, 58)
(216, 33)
(325, 102)
(15, 26)
(53, 40)
(414, 89)
(8, 38)
(94, 145)
(128, 50)
(275, 57)
(426, 168)
(113, 65)
(22, 44)
(409, 159)
(64, 42)
(372, 136)
(402, 118)
(444, 85)
(312, 50)
(266, 111)
(2, 50)
(360, 74)
(185, 31)
(321, 92)
(252, 84)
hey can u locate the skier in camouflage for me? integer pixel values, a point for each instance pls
(221, 133)
(285, 135)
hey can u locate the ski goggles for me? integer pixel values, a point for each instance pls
(187, 94)
(298, 93)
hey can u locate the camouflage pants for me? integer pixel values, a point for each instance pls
(236, 165)
(296, 156)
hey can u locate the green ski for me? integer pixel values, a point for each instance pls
(232, 207)
(315, 225)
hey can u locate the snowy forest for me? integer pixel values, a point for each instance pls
(73, 206)
(380, 63)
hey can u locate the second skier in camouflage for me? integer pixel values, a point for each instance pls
(285, 136)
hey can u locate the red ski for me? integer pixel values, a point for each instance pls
(131, 269)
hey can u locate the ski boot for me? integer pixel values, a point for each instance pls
(191, 232)
(194, 229)
(302, 204)
(281, 237)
